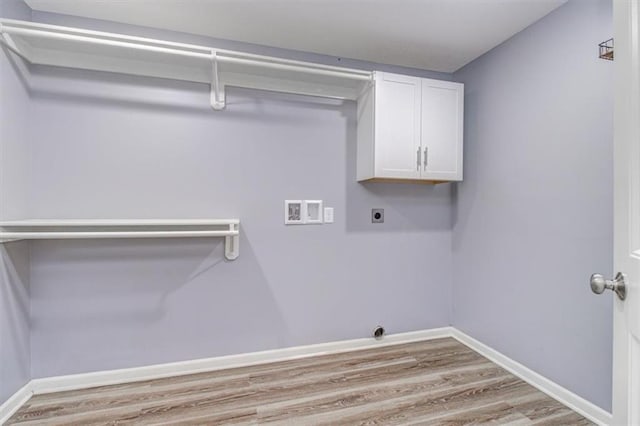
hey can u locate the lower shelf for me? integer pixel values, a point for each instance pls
(62, 229)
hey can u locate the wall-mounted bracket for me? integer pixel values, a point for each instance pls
(606, 50)
(232, 244)
(7, 41)
(367, 87)
(217, 89)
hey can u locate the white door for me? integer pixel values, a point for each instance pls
(397, 145)
(442, 117)
(626, 351)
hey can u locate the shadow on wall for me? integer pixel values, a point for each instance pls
(460, 214)
(20, 68)
(408, 207)
(15, 365)
(118, 296)
(132, 92)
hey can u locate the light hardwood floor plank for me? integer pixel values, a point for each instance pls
(428, 383)
(498, 413)
(421, 406)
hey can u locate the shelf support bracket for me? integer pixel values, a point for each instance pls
(232, 244)
(367, 88)
(217, 89)
(7, 41)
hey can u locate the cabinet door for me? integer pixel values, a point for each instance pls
(397, 122)
(442, 124)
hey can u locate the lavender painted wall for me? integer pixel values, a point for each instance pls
(538, 112)
(15, 348)
(533, 218)
(118, 146)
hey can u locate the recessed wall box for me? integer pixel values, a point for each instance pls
(294, 212)
(313, 210)
(377, 215)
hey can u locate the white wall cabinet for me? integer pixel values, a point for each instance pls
(410, 128)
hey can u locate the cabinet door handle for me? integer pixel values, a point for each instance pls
(426, 157)
(419, 160)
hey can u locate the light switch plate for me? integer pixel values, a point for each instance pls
(328, 215)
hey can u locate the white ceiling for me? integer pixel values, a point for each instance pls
(439, 35)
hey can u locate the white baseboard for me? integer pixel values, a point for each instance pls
(14, 403)
(554, 390)
(128, 375)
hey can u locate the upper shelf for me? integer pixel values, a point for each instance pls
(100, 51)
(114, 228)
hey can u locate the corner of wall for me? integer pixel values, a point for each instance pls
(15, 9)
(15, 300)
(526, 204)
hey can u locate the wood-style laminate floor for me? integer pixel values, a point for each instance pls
(428, 383)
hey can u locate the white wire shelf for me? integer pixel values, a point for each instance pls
(50, 229)
(100, 51)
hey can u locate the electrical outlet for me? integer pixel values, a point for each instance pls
(377, 215)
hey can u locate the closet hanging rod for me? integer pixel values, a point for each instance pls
(115, 222)
(298, 68)
(192, 51)
(94, 40)
(65, 235)
(368, 75)
(53, 45)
